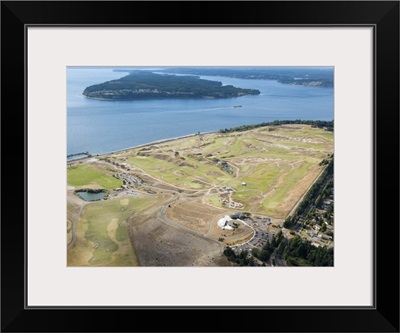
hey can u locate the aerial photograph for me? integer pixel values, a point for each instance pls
(200, 166)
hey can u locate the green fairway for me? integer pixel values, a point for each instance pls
(215, 200)
(195, 175)
(290, 180)
(106, 231)
(262, 177)
(85, 174)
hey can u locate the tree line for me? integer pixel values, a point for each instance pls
(295, 252)
(328, 125)
(241, 259)
(313, 196)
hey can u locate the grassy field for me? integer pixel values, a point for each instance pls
(103, 233)
(85, 174)
(193, 174)
(215, 200)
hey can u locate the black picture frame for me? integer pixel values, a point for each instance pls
(383, 316)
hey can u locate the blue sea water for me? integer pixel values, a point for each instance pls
(104, 126)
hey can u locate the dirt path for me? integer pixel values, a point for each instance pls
(74, 222)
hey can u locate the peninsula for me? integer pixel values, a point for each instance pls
(140, 85)
(311, 77)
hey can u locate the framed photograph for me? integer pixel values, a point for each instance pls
(198, 158)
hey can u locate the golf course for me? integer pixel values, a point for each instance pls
(164, 199)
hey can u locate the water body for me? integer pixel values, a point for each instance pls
(104, 126)
(90, 196)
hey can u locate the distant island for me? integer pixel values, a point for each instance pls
(140, 85)
(306, 76)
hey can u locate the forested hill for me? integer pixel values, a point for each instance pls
(140, 85)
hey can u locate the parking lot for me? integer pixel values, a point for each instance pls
(264, 231)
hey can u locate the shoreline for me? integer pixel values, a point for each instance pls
(139, 146)
(300, 122)
(165, 98)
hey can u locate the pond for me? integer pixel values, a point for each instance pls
(227, 168)
(91, 196)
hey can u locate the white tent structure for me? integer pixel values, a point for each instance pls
(223, 223)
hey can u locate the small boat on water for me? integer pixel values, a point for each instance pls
(237, 106)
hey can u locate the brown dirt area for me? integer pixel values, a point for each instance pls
(193, 214)
(159, 244)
